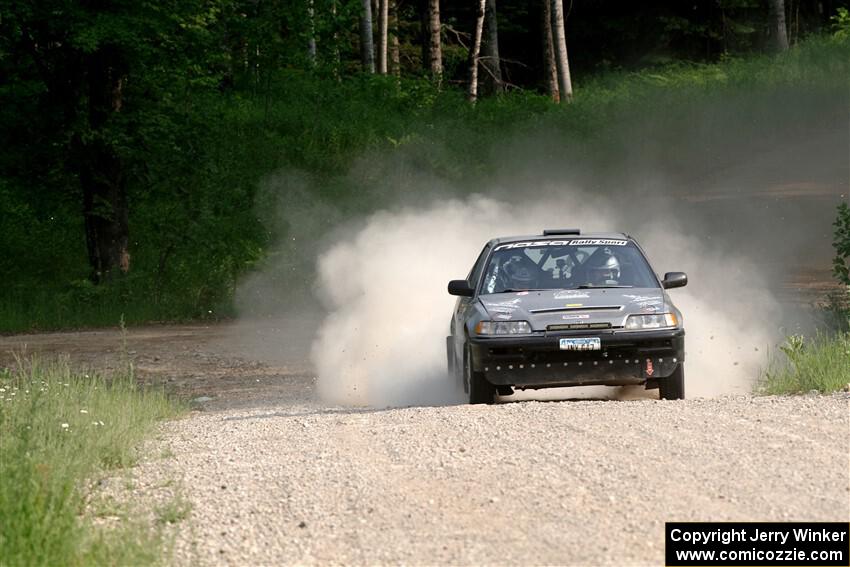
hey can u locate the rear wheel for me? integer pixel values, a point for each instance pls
(673, 387)
(480, 390)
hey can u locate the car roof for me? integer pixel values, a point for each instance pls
(582, 236)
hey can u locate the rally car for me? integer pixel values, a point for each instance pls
(565, 309)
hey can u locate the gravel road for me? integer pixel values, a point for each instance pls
(275, 477)
(587, 482)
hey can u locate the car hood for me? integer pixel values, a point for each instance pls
(546, 308)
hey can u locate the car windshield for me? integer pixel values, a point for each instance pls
(566, 264)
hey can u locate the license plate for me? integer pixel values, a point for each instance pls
(593, 343)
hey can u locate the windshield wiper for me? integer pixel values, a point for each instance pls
(514, 290)
(590, 286)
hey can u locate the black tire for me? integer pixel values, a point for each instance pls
(673, 387)
(480, 390)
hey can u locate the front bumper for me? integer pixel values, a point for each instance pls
(536, 361)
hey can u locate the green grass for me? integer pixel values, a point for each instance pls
(43, 310)
(173, 511)
(820, 363)
(58, 429)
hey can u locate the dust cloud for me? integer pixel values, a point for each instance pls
(383, 341)
(739, 192)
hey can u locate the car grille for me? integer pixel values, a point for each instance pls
(578, 326)
(582, 308)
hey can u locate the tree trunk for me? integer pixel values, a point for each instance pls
(474, 50)
(335, 52)
(550, 70)
(383, 29)
(367, 50)
(492, 63)
(422, 7)
(435, 52)
(101, 170)
(311, 41)
(559, 40)
(777, 25)
(395, 57)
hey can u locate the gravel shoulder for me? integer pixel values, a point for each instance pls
(275, 477)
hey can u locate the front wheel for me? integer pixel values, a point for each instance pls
(673, 387)
(480, 390)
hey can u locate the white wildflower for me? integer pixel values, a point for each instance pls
(99, 422)
(84, 411)
(65, 426)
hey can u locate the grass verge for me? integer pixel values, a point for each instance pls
(58, 428)
(821, 363)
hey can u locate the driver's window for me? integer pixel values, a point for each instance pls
(492, 276)
(477, 268)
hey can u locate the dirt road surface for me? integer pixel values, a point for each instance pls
(273, 476)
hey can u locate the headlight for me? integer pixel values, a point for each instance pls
(503, 328)
(655, 321)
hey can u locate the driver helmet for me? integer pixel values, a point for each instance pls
(605, 272)
(520, 273)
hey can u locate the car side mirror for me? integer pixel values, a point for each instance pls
(460, 287)
(674, 279)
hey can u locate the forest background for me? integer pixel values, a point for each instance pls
(143, 142)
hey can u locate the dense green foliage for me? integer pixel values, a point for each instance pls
(841, 243)
(821, 363)
(59, 427)
(207, 120)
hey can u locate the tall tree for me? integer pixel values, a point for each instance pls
(777, 25)
(492, 63)
(395, 56)
(311, 40)
(383, 37)
(367, 50)
(102, 170)
(550, 70)
(336, 55)
(105, 80)
(559, 39)
(435, 49)
(474, 51)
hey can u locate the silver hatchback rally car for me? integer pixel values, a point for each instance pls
(565, 309)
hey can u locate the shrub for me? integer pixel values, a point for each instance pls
(841, 243)
(821, 363)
